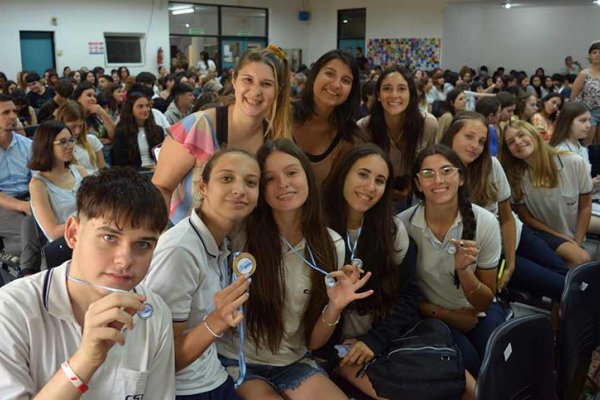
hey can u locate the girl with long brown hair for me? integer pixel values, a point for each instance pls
(291, 309)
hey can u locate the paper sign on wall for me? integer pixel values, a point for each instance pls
(96, 48)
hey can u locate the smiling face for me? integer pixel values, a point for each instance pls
(333, 84)
(580, 127)
(231, 192)
(141, 110)
(87, 99)
(520, 144)
(470, 141)
(254, 87)
(365, 182)
(442, 187)
(394, 94)
(285, 183)
(118, 94)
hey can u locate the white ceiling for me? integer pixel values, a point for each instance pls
(527, 2)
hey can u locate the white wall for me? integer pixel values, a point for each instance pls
(520, 38)
(385, 19)
(80, 22)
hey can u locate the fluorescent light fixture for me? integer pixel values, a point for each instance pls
(345, 21)
(187, 25)
(507, 6)
(597, 2)
(183, 11)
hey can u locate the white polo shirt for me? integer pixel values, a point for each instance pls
(435, 266)
(356, 324)
(187, 269)
(558, 207)
(499, 179)
(297, 289)
(40, 332)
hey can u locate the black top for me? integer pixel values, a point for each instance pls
(223, 125)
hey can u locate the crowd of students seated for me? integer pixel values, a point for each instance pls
(367, 199)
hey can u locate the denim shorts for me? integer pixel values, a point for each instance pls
(284, 378)
(595, 120)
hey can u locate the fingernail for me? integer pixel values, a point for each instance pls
(247, 276)
(249, 280)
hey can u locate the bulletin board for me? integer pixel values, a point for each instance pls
(422, 53)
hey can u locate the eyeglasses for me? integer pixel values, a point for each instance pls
(444, 172)
(65, 142)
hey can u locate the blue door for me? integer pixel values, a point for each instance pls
(37, 51)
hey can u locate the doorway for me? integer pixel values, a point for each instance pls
(37, 51)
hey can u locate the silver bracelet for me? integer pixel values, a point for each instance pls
(329, 324)
(210, 329)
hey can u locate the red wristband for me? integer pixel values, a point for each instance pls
(73, 378)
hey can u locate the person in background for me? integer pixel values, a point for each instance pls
(64, 90)
(38, 94)
(57, 179)
(136, 133)
(586, 88)
(544, 119)
(88, 148)
(571, 67)
(183, 100)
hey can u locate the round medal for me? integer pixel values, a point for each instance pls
(244, 264)
(330, 281)
(146, 312)
(451, 249)
(357, 262)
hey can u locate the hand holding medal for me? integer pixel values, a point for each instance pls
(465, 253)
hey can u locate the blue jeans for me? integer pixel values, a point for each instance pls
(538, 269)
(472, 343)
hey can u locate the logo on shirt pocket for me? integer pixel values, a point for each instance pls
(134, 397)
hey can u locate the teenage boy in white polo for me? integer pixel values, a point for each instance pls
(85, 326)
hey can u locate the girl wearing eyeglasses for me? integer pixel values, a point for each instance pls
(53, 187)
(458, 250)
(529, 263)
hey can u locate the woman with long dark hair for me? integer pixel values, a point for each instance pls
(324, 125)
(397, 125)
(137, 133)
(297, 292)
(357, 199)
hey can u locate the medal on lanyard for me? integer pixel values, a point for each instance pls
(329, 280)
(355, 261)
(143, 314)
(244, 264)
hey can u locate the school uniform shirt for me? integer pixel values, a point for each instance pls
(435, 266)
(355, 324)
(499, 180)
(187, 269)
(40, 332)
(577, 148)
(558, 207)
(297, 287)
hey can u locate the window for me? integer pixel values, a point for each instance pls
(244, 21)
(351, 29)
(196, 20)
(124, 48)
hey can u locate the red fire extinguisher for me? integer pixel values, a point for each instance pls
(159, 56)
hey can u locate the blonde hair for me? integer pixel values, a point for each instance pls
(279, 115)
(71, 111)
(542, 169)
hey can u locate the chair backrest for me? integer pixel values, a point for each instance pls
(579, 327)
(518, 362)
(56, 252)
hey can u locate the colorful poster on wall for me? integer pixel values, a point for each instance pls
(96, 48)
(422, 53)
